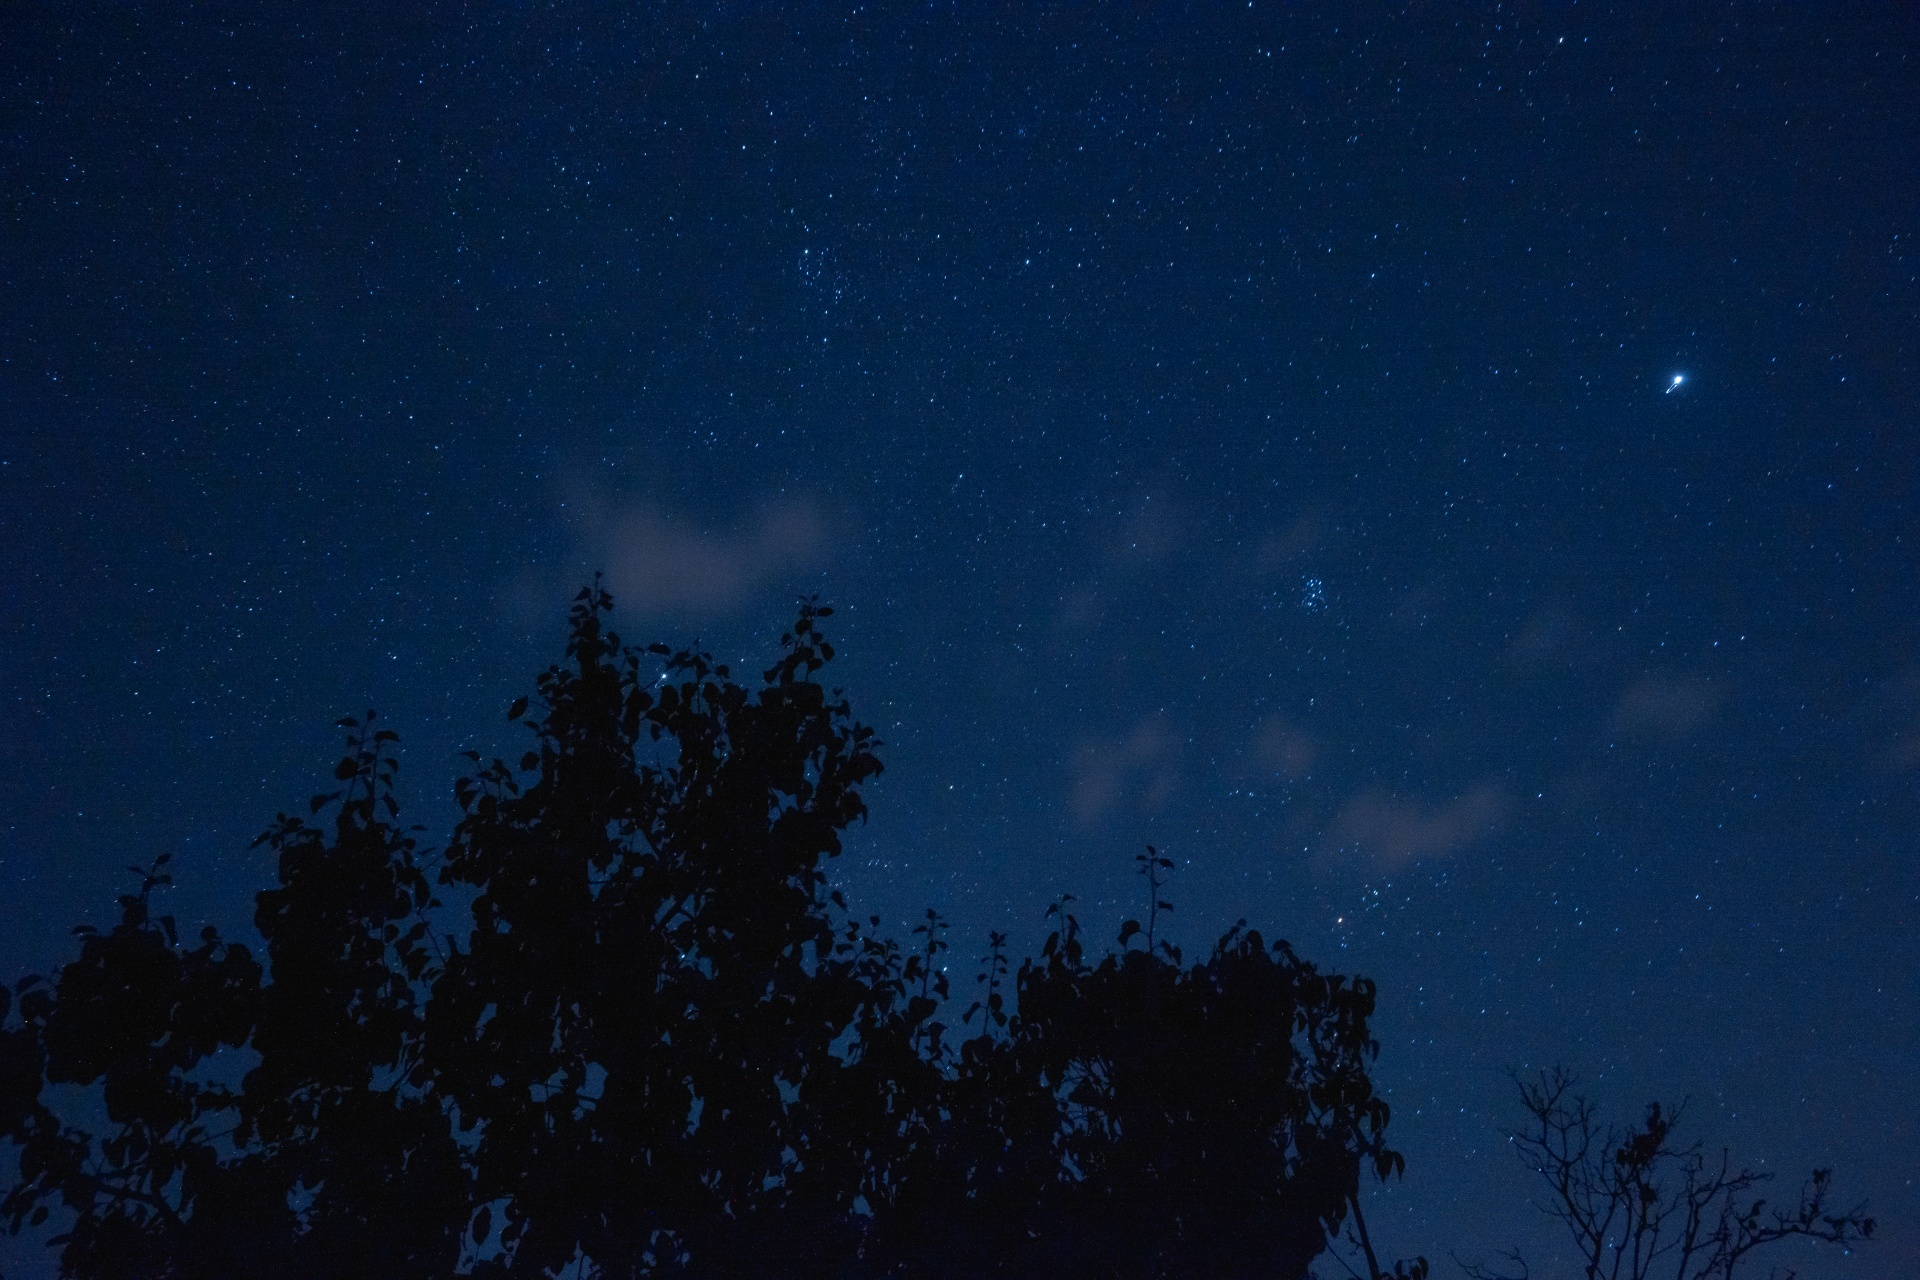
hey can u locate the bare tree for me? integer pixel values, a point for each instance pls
(1638, 1204)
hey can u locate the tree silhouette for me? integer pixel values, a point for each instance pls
(1638, 1204)
(650, 1039)
(341, 1110)
(135, 1014)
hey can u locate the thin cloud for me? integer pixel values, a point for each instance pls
(1287, 547)
(1669, 706)
(1081, 609)
(1140, 767)
(1392, 831)
(1894, 717)
(1147, 535)
(1285, 749)
(1554, 634)
(656, 564)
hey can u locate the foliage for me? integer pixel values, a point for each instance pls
(1637, 1203)
(661, 1044)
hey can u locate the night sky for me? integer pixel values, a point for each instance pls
(1445, 476)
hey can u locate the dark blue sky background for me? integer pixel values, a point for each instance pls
(1249, 429)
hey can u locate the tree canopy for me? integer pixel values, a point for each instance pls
(644, 1036)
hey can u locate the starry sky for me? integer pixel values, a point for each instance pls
(1444, 475)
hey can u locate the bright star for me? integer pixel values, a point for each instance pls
(1673, 386)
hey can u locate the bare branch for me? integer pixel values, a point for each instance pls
(1481, 1271)
(1637, 1199)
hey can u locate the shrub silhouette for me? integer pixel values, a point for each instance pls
(662, 1045)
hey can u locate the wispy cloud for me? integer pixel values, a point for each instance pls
(658, 564)
(1392, 831)
(1287, 548)
(1670, 706)
(1139, 769)
(1147, 538)
(1285, 749)
(1149, 533)
(1553, 634)
(1894, 717)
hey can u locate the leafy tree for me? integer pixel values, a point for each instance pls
(1639, 1203)
(341, 1117)
(651, 984)
(333, 1139)
(653, 1041)
(134, 1013)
